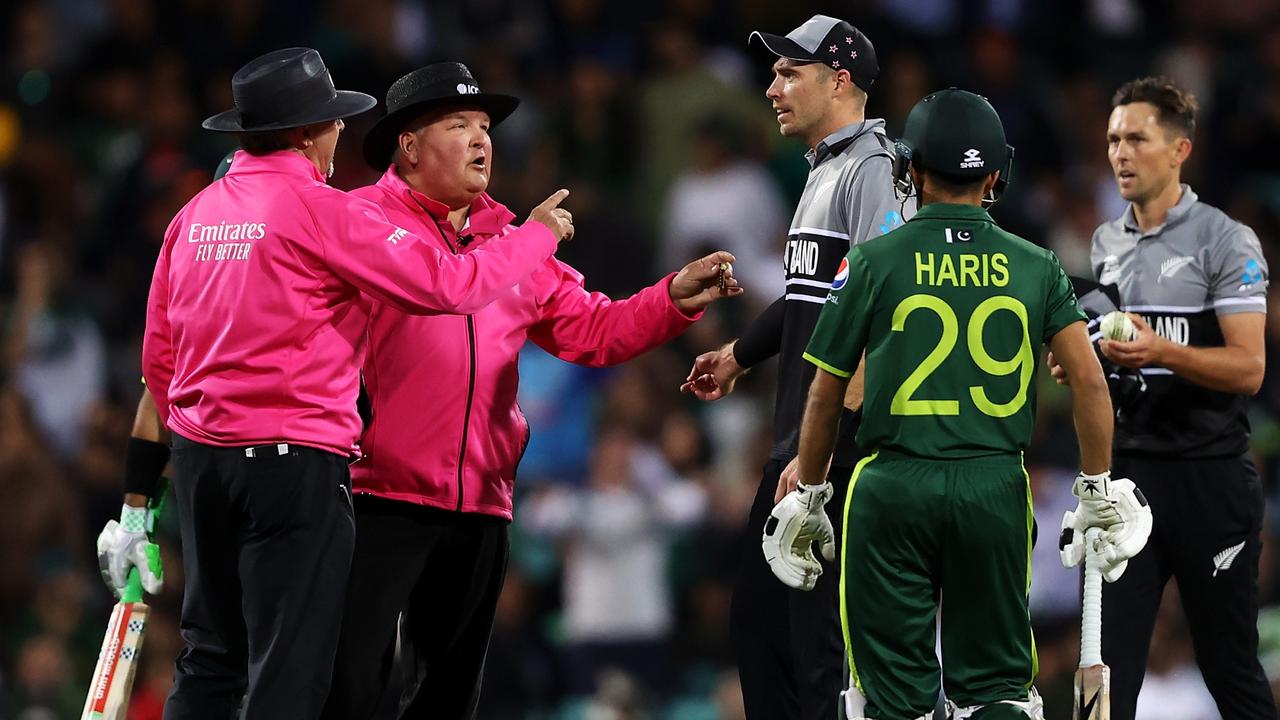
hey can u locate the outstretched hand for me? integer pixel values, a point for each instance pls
(704, 281)
(713, 375)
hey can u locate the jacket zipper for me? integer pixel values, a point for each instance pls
(471, 389)
(471, 357)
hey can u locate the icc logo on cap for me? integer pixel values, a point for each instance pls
(842, 275)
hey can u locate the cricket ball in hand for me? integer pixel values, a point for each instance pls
(1117, 326)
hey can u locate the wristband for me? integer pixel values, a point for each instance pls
(133, 519)
(144, 461)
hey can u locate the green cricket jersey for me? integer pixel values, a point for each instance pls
(951, 311)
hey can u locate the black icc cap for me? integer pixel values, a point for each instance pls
(432, 87)
(830, 41)
(956, 133)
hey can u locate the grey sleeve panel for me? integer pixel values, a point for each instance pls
(866, 199)
(1237, 271)
(1096, 251)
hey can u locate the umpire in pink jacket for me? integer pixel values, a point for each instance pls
(256, 330)
(433, 492)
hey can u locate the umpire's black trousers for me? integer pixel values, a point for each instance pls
(1207, 516)
(788, 643)
(267, 535)
(439, 573)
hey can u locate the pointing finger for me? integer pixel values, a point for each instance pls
(554, 201)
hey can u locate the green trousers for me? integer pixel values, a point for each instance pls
(923, 533)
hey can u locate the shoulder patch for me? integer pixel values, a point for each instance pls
(892, 219)
(842, 275)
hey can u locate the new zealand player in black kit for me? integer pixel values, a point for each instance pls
(787, 641)
(1194, 282)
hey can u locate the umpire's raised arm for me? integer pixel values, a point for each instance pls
(256, 330)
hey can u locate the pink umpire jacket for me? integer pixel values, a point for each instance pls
(446, 429)
(256, 320)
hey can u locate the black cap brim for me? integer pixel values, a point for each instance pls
(783, 46)
(344, 104)
(380, 142)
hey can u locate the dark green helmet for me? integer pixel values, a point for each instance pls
(956, 134)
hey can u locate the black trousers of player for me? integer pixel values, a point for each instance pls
(266, 548)
(440, 573)
(1207, 516)
(788, 642)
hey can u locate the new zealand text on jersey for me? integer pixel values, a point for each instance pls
(801, 257)
(1174, 328)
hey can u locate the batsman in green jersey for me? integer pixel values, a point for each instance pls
(950, 311)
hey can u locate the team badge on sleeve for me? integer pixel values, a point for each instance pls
(1251, 275)
(842, 275)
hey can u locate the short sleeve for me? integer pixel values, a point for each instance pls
(1061, 308)
(1237, 273)
(870, 208)
(1097, 254)
(841, 334)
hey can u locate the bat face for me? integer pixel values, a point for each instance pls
(1093, 693)
(112, 682)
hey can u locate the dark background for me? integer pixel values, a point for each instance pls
(653, 114)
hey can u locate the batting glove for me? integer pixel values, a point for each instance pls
(1127, 538)
(1095, 495)
(793, 526)
(1121, 540)
(1071, 540)
(125, 545)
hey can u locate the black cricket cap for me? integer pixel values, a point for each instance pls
(830, 41)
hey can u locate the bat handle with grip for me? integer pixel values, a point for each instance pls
(133, 588)
(1091, 610)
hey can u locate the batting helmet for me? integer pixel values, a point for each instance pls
(957, 135)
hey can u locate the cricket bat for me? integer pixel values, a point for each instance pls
(1093, 678)
(118, 660)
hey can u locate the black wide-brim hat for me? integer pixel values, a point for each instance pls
(434, 86)
(286, 89)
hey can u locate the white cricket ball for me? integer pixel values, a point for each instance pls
(1117, 326)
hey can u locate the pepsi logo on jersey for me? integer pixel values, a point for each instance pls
(842, 275)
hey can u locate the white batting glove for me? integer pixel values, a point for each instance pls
(1127, 538)
(1071, 540)
(1094, 492)
(795, 523)
(1093, 509)
(1121, 539)
(125, 545)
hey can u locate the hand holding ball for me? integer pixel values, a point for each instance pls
(1117, 326)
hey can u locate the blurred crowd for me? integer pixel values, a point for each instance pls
(631, 497)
